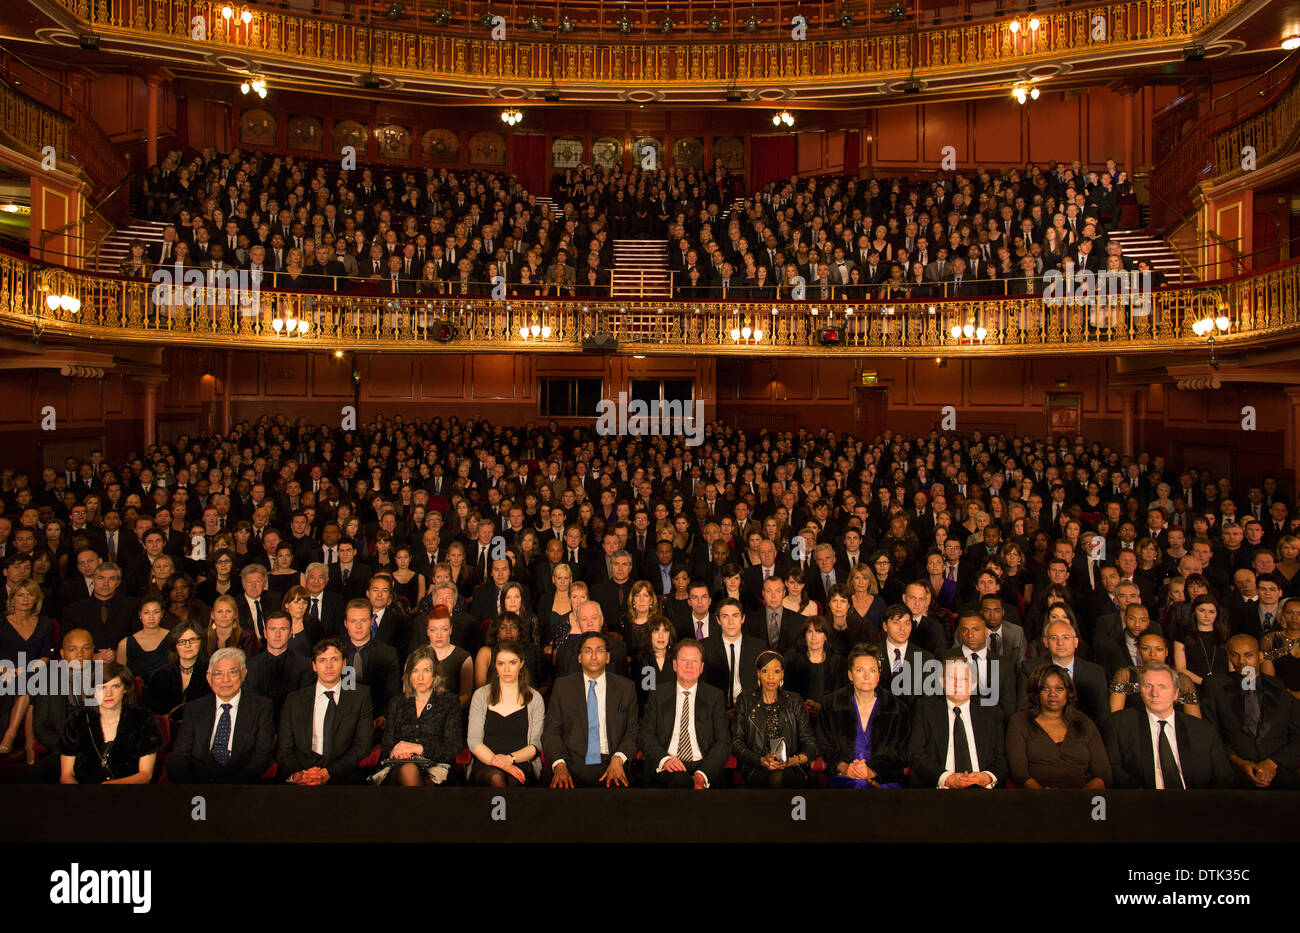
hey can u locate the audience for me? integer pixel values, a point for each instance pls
(1114, 564)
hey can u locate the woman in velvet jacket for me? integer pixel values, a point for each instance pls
(888, 726)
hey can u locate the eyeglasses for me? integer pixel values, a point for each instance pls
(188, 641)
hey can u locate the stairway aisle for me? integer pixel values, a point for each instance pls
(640, 269)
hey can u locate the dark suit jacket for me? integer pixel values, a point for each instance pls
(296, 671)
(123, 619)
(932, 731)
(382, 673)
(837, 734)
(716, 663)
(352, 741)
(252, 744)
(752, 580)
(1132, 756)
(712, 731)
(791, 625)
(269, 599)
(564, 736)
(566, 657)
(1090, 682)
(1223, 705)
(395, 631)
(357, 580)
(331, 613)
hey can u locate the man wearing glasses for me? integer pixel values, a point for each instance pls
(226, 738)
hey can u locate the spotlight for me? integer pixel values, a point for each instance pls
(912, 86)
(1291, 43)
(897, 12)
(1194, 53)
(371, 83)
(551, 97)
(88, 41)
(567, 25)
(751, 24)
(734, 97)
(535, 23)
(395, 11)
(338, 354)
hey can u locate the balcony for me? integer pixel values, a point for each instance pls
(422, 54)
(1250, 310)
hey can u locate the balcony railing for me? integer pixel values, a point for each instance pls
(659, 60)
(1259, 307)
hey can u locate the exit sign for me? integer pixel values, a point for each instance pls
(869, 379)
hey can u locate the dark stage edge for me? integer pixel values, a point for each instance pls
(257, 814)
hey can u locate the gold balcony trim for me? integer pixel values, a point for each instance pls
(477, 59)
(1260, 308)
(1272, 132)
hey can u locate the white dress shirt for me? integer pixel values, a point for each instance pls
(1172, 734)
(733, 690)
(703, 627)
(234, 714)
(318, 715)
(950, 766)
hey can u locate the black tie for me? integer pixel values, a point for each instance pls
(1251, 723)
(997, 643)
(731, 672)
(257, 604)
(327, 728)
(1168, 765)
(960, 747)
(315, 609)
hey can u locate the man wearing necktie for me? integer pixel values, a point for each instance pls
(227, 737)
(1257, 718)
(957, 742)
(1157, 747)
(591, 723)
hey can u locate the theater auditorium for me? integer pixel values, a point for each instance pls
(501, 421)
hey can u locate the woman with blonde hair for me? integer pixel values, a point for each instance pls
(422, 736)
(224, 630)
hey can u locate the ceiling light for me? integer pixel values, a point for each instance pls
(1033, 92)
(511, 116)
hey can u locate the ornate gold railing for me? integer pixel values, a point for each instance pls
(1260, 307)
(1270, 133)
(659, 62)
(30, 126)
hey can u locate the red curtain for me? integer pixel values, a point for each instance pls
(528, 161)
(852, 152)
(773, 158)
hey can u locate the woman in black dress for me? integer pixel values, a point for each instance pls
(25, 636)
(455, 662)
(505, 723)
(770, 735)
(1281, 649)
(1051, 744)
(114, 741)
(653, 665)
(812, 667)
(407, 584)
(183, 677)
(1202, 651)
(145, 651)
(423, 735)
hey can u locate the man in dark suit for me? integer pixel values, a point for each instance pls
(275, 671)
(777, 627)
(349, 576)
(1090, 681)
(52, 709)
(957, 741)
(226, 738)
(903, 663)
(1257, 717)
(388, 623)
(256, 602)
(1158, 748)
(729, 655)
(683, 733)
(1116, 651)
(591, 723)
(568, 657)
(995, 677)
(324, 606)
(375, 663)
(1006, 638)
(487, 597)
(768, 567)
(325, 730)
(612, 594)
(83, 581)
(109, 615)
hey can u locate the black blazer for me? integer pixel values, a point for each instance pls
(437, 728)
(295, 671)
(566, 657)
(837, 734)
(564, 735)
(252, 745)
(270, 601)
(791, 625)
(716, 664)
(123, 619)
(712, 731)
(352, 741)
(749, 729)
(798, 674)
(1132, 756)
(358, 577)
(1278, 736)
(331, 613)
(382, 673)
(1090, 682)
(932, 731)
(395, 631)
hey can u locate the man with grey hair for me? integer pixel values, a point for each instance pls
(228, 737)
(110, 614)
(256, 602)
